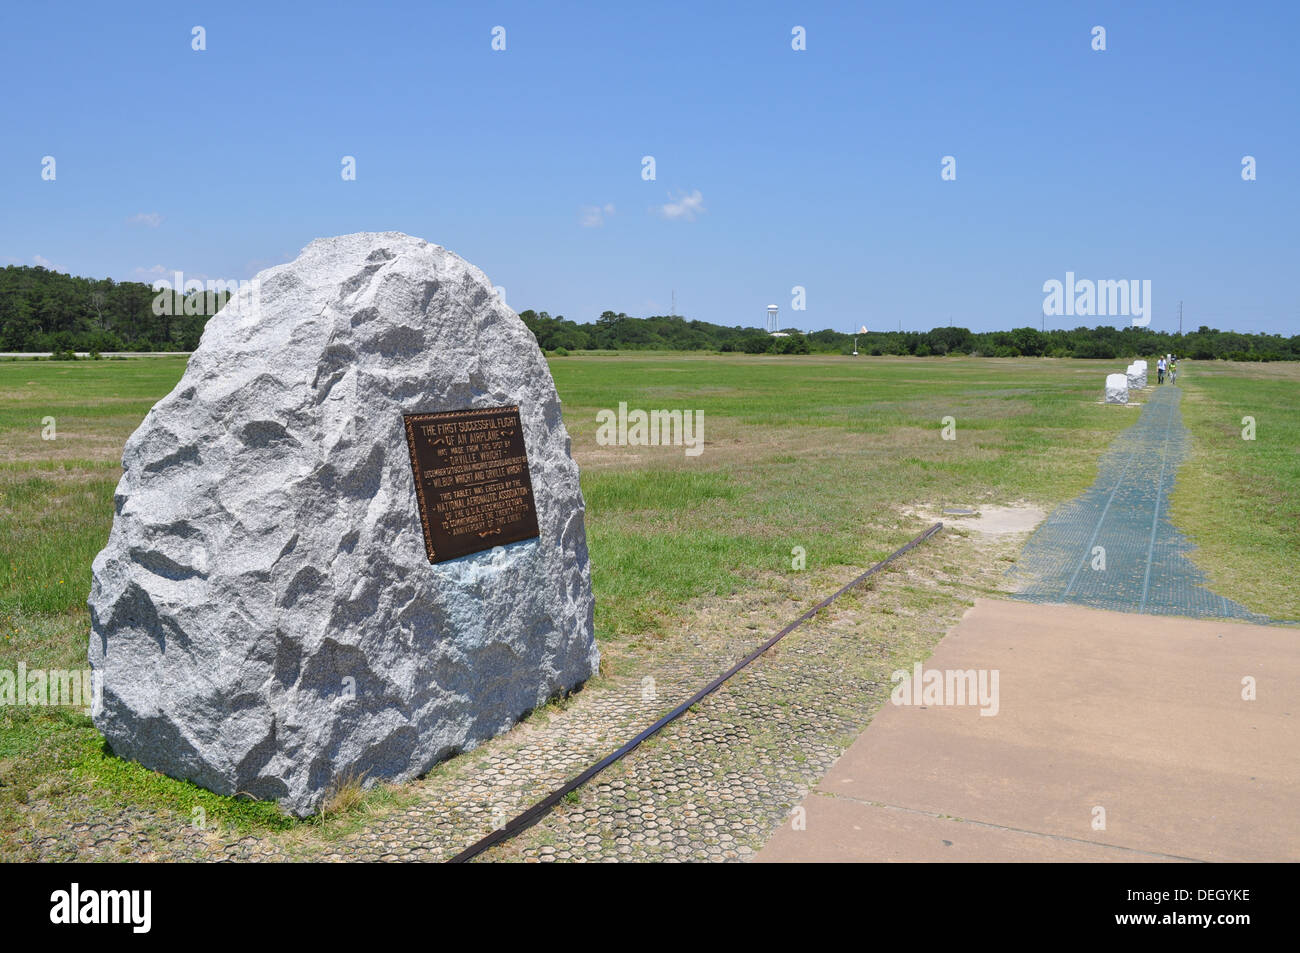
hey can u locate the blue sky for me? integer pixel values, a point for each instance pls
(775, 168)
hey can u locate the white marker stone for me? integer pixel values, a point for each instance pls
(1141, 367)
(265, 615)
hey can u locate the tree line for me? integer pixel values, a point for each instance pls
(619, 332)
(44, 310)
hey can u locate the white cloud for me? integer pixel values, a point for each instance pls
(152, 219)
(684, 207)
(46, 263)
(593, 216)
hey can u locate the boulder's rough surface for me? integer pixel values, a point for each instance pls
(1116, 389)
(1134, 375)
(1141, 368)
(264, 616)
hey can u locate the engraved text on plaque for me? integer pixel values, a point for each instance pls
(471, 480)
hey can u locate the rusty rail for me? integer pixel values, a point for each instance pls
(535, 813)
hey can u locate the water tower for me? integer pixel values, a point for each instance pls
(773, 325)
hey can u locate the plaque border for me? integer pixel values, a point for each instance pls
(408, 422)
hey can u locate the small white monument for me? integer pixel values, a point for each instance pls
(1116, 389)
(1142, 373)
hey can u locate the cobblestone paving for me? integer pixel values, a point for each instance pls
(716, 783)
(711, 787)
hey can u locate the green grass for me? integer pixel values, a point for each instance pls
(49, 753)
(56, 496)
(1237, 499)
(823, 453)
(50, 532)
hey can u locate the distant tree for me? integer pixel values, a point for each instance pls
(1028, 341)
(951, 340)
(43, 310)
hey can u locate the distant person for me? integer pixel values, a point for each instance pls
(1173, 370)
(1160, 371)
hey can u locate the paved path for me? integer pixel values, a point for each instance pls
(1140, 716)
(1114, 547)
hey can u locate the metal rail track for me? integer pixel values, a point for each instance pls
(539, 810)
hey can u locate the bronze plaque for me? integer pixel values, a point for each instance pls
(471, 480)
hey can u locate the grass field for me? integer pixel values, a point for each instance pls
(1239, 499)
(824, 453)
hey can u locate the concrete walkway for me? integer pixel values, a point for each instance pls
(1140, 717)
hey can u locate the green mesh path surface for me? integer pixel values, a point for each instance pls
(1126, 513)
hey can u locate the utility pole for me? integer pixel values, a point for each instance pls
(673, 312)
(1180, 319)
